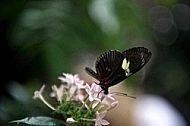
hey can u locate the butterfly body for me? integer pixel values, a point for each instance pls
(114, 66)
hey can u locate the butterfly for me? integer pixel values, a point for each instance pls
(114, 66)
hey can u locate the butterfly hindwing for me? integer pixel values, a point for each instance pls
(108, 67)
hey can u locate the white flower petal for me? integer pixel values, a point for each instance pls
(99, 119)
(105, 122)
(91, 97)
(58, 92)
(114, 104)
(70, 120)
(110, 96)
(37, 94)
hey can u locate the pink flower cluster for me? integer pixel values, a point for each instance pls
(90, 96)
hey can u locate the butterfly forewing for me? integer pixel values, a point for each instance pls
(108, 67)
(137, 57)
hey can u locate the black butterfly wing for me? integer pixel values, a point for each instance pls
(108, 67)
(137, 58)
(111, 69)
(114, 66)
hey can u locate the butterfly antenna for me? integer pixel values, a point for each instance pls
(123, 94)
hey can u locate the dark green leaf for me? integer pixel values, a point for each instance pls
(36, 121)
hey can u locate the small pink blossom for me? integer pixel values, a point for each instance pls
(72, 79)
(38, 94)
(94, 91)
(90, 96)
(58, 92)
(99, 119)
(79, 96)
(108, 99)
(114, 104)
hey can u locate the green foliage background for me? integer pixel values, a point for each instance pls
(42, 39)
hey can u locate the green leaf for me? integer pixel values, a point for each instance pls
(36, 121)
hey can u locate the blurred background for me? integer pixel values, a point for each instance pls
(42, 39)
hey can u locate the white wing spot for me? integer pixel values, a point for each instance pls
(142, 59)
(125, 66)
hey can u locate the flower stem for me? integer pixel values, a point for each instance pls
(45, 102)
